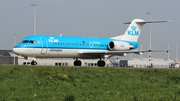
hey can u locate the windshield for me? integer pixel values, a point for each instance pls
(25, 41)
(32, 42)
(29, 41)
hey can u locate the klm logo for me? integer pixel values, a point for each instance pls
(52, 39)
(133, 31)
(122, 46)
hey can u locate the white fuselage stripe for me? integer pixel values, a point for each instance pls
(51, 52)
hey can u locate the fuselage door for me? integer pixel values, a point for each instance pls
(44, 45)
(91, 44)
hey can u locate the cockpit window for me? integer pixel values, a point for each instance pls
(29, 41)
(25, 41)
(32, 42)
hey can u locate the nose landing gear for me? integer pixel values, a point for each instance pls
(33, 62)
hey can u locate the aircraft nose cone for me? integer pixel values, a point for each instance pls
(16, 51)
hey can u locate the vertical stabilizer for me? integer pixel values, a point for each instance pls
(133, 31)
(176, 61)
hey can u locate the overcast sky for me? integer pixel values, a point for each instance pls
(94, 18)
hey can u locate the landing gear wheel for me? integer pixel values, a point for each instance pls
(33, 62)
(101, 63)
(77, 63)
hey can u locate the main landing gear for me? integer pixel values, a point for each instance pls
(33, 62)
(77, 62)
(100, 63)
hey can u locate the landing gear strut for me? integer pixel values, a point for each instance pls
(77, 62)
(33, 62)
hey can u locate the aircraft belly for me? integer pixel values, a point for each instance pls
(53, 53)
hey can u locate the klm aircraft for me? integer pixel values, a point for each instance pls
(46, 46)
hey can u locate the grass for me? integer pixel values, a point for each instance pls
(46, 83)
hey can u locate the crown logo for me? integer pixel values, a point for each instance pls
(133, 28)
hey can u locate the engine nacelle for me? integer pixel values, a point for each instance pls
(116, 45)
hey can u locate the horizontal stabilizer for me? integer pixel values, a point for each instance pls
(144, 22)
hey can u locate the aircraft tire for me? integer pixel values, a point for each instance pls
(101, 63)
(33, 63)
(77, 63)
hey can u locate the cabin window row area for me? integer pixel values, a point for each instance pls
(80, 44)
(102, 45)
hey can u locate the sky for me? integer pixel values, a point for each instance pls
(92, 18)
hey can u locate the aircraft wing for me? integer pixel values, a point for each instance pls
(105, 52)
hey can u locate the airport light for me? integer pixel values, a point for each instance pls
(34, 4)
(14, 45)
(149, 32)
(177, 51)
(168, 52)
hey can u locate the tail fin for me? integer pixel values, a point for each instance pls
(175, 60)
(134, 29)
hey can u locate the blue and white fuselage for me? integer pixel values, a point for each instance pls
(46, 46)
(43, 46)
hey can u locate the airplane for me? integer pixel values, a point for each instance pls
(76, 47)
(176, 61)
